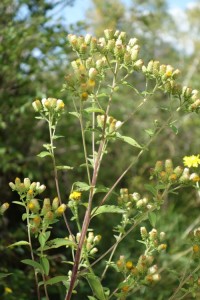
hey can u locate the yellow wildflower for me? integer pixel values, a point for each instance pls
(7, 290)
(75, 195)
(191, 161)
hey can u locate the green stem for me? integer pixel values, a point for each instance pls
(51, 135)
(32, 254)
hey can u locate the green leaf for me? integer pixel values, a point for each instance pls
(174, 128)
(33, 264)
(94, 109)
(55, 137)
(45, 264)
(20, 243)
(92, 298)
(150, 132)
(64, 168)
(19, 203)
(74, 113)
(107, 209)
(56, 279)
(44, 153)
(3, 275)
(151, 189)
(58, 242)
(96, 286)
(128, 140)
(101, 189)
(24, 216)
(81, 186)
(42, 239)
(152, 218)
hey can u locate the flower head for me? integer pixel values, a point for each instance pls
(75, 195)
(191, 161)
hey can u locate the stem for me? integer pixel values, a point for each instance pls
(51, 135)
(91, 194)
(32, 255)
(45, 287)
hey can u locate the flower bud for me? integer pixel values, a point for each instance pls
(162, 247)
(49, 216)
(88, 38)
(93, 73)
(129, 265)
(196, 248)
(37, 221)
(12, 186)
(97, 239)
(143, 232)
(109, 34)
(159, 166)
(34, 205)
(136, 196)
(61, 209)
(90, 237)
(150, 66)
(59, 105)
(156, 277)
(37, 105)
(41, 189)
(55, 203)
(153, 269)
(153, 234)
(78, 235)
(138, 64)
(4, 207)
(127, 58)
(84, 96)
(132, 42)
(156, 65)
(27, 183)
(93, 44)
(178, 171)
(194, 177)
(134, 52)
(46, 206)
(93, 251)
(162, 69)
(162, 236)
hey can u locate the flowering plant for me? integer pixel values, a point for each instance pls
(102, 68)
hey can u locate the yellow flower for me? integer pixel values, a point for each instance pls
(191, 161)
(7, 290)
(75, 196)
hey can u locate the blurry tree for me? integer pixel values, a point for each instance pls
(33, 58)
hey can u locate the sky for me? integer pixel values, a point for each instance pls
(77, 12)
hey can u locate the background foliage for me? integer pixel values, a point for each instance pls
(34, 57)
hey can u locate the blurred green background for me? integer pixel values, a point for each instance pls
(34, 58)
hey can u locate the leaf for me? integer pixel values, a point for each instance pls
(152, 218)
(33, 264)
(107, 209)
(151, 189)
(58, 242)
(150, 132)
(81, 186)
(92, 298)
(128, 140)
(20, 243)
(94, 109)
(55, 137)
(64, 168)
(19, 203)
(24, 216)
(174, 128)
(3, 275)
(44, 153)
(96, 286)
(45, 264)
(101, 189)
(74, 113)
(56, 279)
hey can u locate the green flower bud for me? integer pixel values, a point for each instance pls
(122, 36)
(110, 45)
(60, 210)
(89, 63)
(49, 216)
(93, 45)
(150, 66)
(127, 58)
(156, 66)
(143, 232)
(162, 69)
(158, 166)
(178, 171)
(90, 238)
(132, 42)
(169, 166)
(93, 251)
(134, 52)
(138, 64)
(93, 73)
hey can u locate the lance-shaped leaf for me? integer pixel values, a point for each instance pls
(128, 140)
(107, 209)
